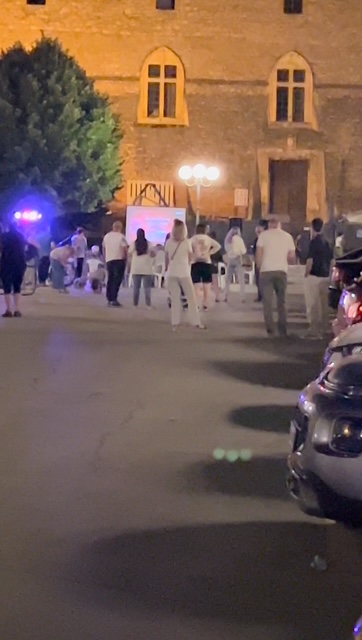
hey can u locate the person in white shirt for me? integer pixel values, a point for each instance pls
(96, 270)
(275, 251)
(115, 252)
(236, 253)
(179, 254)
(203, 247)
(80, 246)
(142, 253)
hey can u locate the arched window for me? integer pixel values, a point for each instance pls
(291, 92)
(162, 98)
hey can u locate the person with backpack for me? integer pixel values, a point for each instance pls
(236, 254)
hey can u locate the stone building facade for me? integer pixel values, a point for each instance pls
(270, 91)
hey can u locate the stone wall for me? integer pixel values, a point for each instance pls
(229, 50)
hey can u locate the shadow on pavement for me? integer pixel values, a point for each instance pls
(294, 348)
(258, 478)
(281, 375)
(252, 574)
(270, 417)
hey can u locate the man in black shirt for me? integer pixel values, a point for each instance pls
(317, 272)
(12, 269)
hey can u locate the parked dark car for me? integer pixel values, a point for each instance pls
(347, 343)
(325, 462)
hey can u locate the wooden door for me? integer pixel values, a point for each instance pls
(288, 190)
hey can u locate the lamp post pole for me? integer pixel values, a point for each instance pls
(198, 176)
(198, 201)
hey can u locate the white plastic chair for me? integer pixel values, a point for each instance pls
(221, 276)
(159, 274)
(159, 268)
(250, 275)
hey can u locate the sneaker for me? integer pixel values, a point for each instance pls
(115, 303)
(205, 308)
(7, 314)
(17, 314)
(200, 326)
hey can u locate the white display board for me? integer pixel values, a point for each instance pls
(156, 222)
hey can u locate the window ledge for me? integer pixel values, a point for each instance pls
(291, 125)
(161, 125)
(165, 122)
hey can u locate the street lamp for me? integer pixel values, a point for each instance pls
(198, 176)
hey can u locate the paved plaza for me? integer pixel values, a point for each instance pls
(117, 520)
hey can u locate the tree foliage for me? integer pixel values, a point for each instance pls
(57, 133)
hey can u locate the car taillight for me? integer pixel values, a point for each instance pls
(355, 313)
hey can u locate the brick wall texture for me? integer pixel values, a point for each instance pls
(229, 50)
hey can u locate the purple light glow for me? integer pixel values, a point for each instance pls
(28, 215)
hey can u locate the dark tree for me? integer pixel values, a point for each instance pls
(57, 133)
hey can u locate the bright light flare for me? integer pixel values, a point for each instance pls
(199, 171)
(212, 173)
(185, 173)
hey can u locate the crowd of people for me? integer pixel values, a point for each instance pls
(190, 268)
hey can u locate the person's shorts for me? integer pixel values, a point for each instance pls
(12, 280)
(201, 272)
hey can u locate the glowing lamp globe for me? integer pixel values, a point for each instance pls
(199, 171)
(185, 173)
(212, 174)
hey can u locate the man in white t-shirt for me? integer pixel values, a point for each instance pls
(203, 247)
(275, 251)
(115, 252)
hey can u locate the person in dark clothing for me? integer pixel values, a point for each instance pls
(44, 241)
(12, 269)
(317, 272)
(115, 249)
(262, 226)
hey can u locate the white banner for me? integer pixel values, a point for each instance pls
(241, 197)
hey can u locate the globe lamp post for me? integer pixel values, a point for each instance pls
(198, 176)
